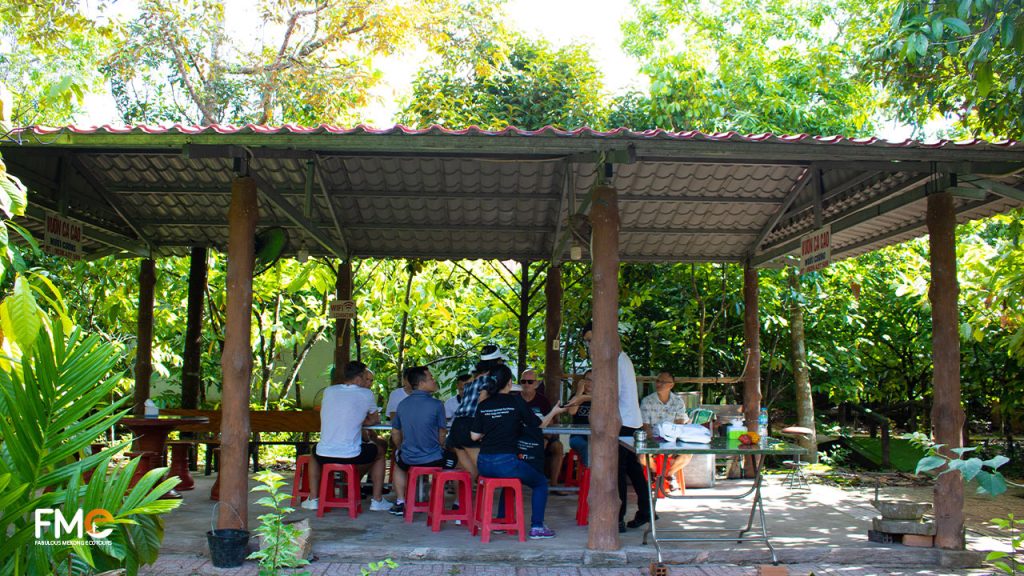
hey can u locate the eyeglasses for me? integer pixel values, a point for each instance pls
(527, 381)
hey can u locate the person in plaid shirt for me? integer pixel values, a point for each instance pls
(466, 449)
(664, 406)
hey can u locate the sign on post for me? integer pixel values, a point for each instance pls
(816, 250)
(343, 309)
(63, 237)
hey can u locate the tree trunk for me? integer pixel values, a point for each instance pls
(947, 412)
(752, 335)
(144, 334)
(191, 365)
(342, 333)
(525, 283)
(236, 362)
(405, 321)
(605, 421)
(801, 376)
(552, 339)
(267, 370)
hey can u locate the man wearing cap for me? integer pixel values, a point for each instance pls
(629, 466)
(664, 406)
(554, 452)
(459, 439)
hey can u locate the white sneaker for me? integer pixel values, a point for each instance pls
(311, 504)
(381, 505)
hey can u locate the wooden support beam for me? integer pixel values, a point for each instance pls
(552, 334)
(342, 328)
(602, 533)
(794, 191)
(995, 187)
(947, 411)
(109, 198)
(311, 228)
(330, 208)
(968, 193)
(236, 359)
(191, 365)
(144, 334)
(557, 245)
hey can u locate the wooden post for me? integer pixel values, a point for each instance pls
(236, 361)
(191, 374)
(947, 411)
(525, 286)
(552, 336)
(605, 422)
(801, 375)
(144, 334)
(342, 330)
(752, 336)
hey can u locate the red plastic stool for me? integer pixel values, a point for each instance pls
(572, 469)
(300, 484)
(483, 518)
(352, 499)
(661, 464)
(412, 505)
(438, 514)
(582, 507)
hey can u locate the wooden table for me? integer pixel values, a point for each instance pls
(719, 446)
(151, 438)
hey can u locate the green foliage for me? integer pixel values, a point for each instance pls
(749, 66)
(510, 82)
(963, 59)
(1007, 562)
(62, 392)
(279, 547)
(984, 472)
(374, 567)
(903, 455)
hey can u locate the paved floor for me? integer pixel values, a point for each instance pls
(821, 531)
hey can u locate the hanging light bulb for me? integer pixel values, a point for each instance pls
(302, 256)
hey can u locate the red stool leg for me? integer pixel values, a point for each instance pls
(351, 498)
(582, 505)
(300, 484)
(412, 505)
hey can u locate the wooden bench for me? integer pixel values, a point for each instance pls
(299, 421)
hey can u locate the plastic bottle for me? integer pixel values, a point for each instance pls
(762, 424)
(150, 409)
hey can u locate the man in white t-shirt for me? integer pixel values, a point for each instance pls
(397, 395)
(345, 409)
(629, 466)
(452, 404)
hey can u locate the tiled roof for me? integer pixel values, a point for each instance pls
(446, 194)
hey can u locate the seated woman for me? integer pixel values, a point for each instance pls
(499, 421)
(579, 408)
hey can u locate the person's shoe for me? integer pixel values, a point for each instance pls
(381, 505)
(310, 504)
(673, 484)
(540, 532)
(622, 527)
(398, 509)
(639, 520)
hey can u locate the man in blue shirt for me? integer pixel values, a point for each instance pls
(418, 429)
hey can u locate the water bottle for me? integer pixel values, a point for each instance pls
(762, 425)
(150, 409)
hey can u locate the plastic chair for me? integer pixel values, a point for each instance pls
(572, 469)
(412, 505)
(350, 498)
(582, 505)
(796, 478)
(483, 520)
(438, 514)
(662, 463)
(300, 484)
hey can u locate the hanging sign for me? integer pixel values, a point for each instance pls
(816, 250)
(343, 309)
(63, 237)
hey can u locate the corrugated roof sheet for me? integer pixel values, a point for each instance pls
(447, 194)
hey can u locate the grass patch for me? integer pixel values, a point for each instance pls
(902, 453)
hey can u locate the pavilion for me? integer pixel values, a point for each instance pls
(514, 194)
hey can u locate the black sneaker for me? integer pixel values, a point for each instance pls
(622, 527)
(398, 509)
(639, 520)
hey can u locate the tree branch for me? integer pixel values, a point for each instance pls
(488, 288)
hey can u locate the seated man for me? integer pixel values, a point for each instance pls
(418, 430)
(664, 406)
(554, 452)
(346, 408)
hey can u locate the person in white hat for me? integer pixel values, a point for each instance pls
(459, 439)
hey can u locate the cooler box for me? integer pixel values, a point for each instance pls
(700, 471)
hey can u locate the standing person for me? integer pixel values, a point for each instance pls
(554, 452)
(579, 408)
(459, 438)
(629, 466)
(345, 409)
(664, 406)
(418, 429)
(452, 404)
(499, 421)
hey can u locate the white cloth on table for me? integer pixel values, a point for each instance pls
(673, 432)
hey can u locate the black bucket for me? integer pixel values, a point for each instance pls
(227, 547)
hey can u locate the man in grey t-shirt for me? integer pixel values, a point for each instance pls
(418, 429)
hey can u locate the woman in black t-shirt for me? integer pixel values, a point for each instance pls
(579, 407)
(499, 422)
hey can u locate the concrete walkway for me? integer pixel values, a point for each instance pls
(820, 531)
